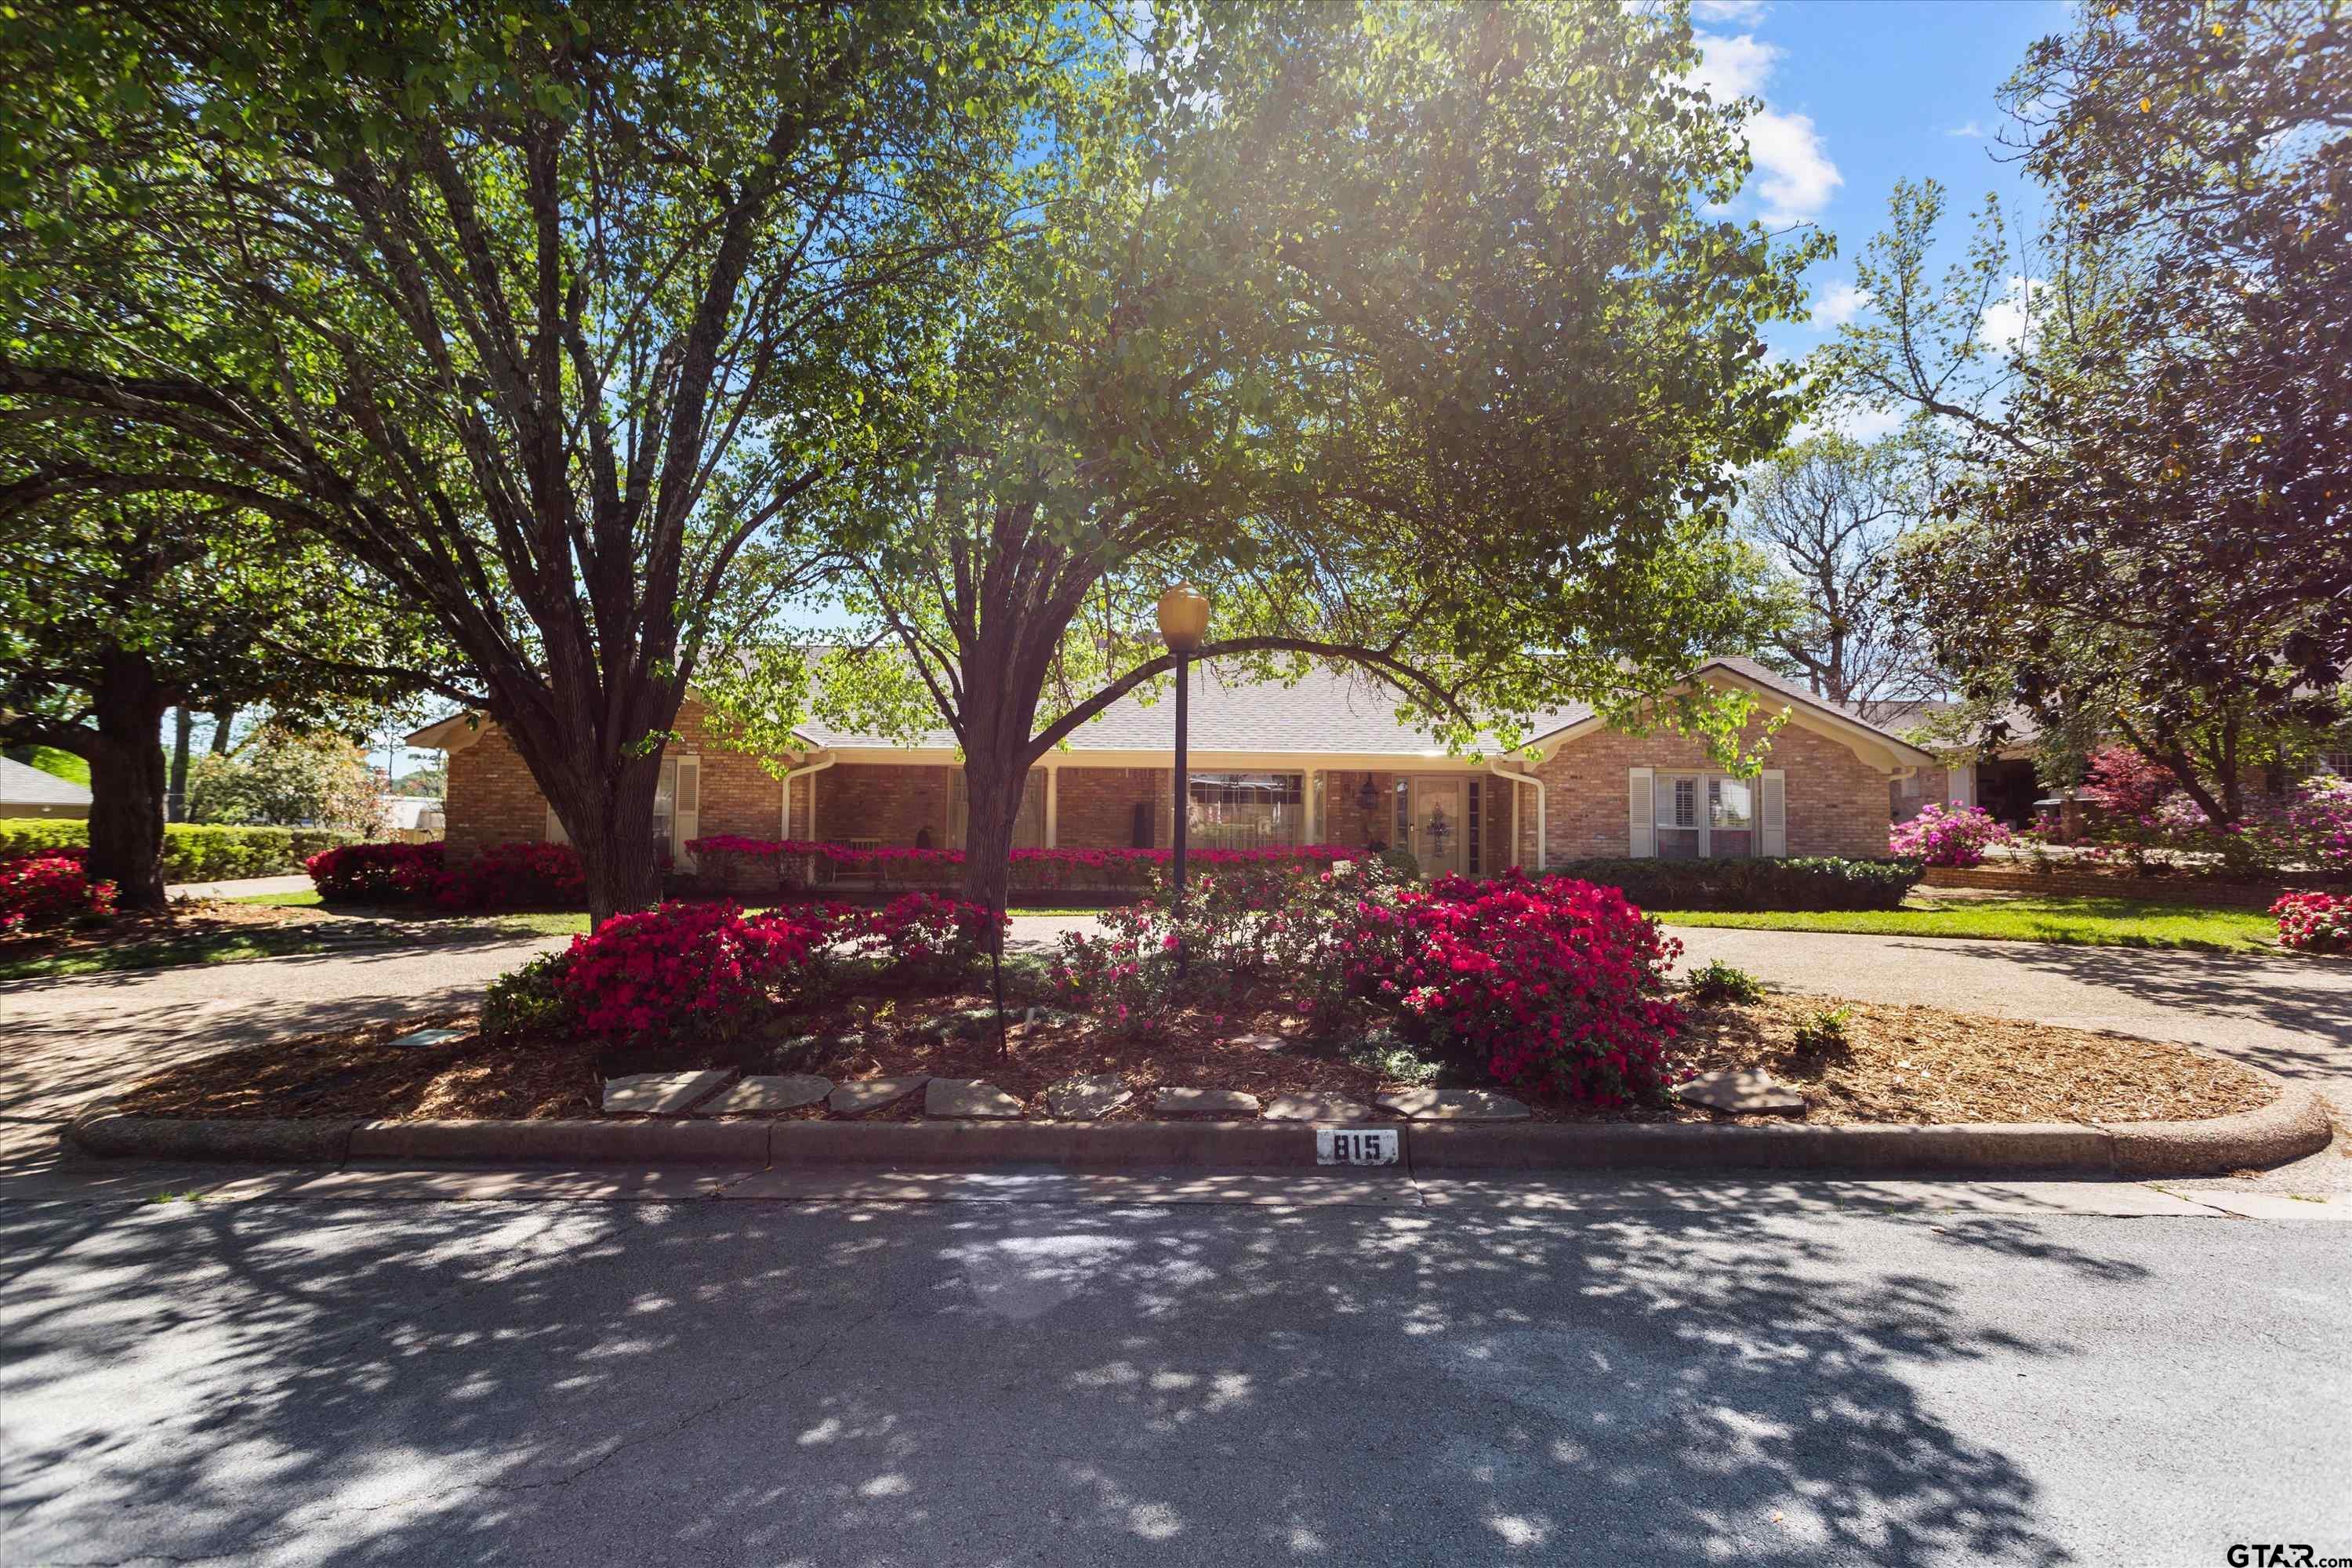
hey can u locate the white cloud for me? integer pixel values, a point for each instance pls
(2009, 322)
(1973, 130)
(1840, 303)
(1795, 176)
(1859, 422)
(1748, 11)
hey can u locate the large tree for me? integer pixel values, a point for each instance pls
(113, 610)
(557, 317)
(1831, 515)
(2150, 529)
(1402, 331)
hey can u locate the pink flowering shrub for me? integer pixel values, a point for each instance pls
(375, 873)
(927, 939)
(2315, 923)
(2121, 782)
(1552, 985)
(1940, 835)
(2316, 829)
(683, 970)
(49, 889)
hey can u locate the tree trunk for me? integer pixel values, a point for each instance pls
(182, 724)
(222, 720)
(993, 781)
(126, 781)
(610, 821)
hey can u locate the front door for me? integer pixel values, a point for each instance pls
(1439, 822)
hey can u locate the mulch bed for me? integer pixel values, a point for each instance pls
(1915, 1065)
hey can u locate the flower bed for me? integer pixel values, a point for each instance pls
(793, 865)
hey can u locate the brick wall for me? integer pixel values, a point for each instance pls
(1836, 803)
(1094, 808)
(891, 801)
(493, 799)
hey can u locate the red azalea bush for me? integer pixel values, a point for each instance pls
(1940, 835)
(375, 873)
(682, 969)
(1556, 984)
(2315, 923)
(49, 889)
(514, 877)
(502, 877)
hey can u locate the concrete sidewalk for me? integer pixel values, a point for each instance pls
(242, 887)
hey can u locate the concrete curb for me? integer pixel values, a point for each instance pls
(2294, 1125)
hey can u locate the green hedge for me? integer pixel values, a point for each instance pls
(1809, 883)
(192, 851)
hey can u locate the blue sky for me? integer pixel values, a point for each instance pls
(1858, 94)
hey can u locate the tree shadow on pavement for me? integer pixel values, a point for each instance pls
(730, 1382)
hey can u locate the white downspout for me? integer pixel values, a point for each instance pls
(1494, 766)
(785, 823)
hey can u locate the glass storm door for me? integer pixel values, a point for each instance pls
(1439, 823)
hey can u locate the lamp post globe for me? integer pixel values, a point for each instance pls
(1183, 622)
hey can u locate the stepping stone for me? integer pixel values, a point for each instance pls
(418, 1039)
(1316, 1108)
(1743, 1091)
(789, 1093)
(1084, 1099)
(1230, 1101)
(871, 1094)
(968, 1096)
(1258, 1042)
(661, 1093)
(1454, 1105)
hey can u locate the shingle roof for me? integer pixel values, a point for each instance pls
(22, 784)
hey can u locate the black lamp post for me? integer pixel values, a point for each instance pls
(1183, 622)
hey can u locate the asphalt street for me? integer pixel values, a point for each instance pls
(1644, 1373)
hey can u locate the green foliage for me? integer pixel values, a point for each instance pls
(1805, 882)
(192, 852)
(1402, 861)
(529, 1003)
(1823, 1033)
(282, 779)
(1717, 984)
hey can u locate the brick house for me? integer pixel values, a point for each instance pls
(1323, 760)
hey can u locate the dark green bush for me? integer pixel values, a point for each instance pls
(528, 1002)
(1809, 883)
(1715, 982)
(192, 851)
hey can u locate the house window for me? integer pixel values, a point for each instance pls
(1705, 816)
(1245, 811)
(1403, 834)
(2337, 762)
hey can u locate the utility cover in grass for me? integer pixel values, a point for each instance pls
(418, 1039)
(660, 1093)
(962, 1098)
(1454, 1105)
(1742, 1092)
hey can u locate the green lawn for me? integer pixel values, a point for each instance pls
(2086, 921)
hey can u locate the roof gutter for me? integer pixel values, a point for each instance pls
(785, 822)
(1494, 766)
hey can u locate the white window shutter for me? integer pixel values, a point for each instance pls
(1961, 786)
(688, 821)
(1641, 833)
(1773, 819)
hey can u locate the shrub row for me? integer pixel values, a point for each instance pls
(192, 851)
(1805, 883)
(502, 877)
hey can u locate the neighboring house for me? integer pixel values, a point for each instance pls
(2003, 781)
(1319, 762)
(412, 819)
(28, 791)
